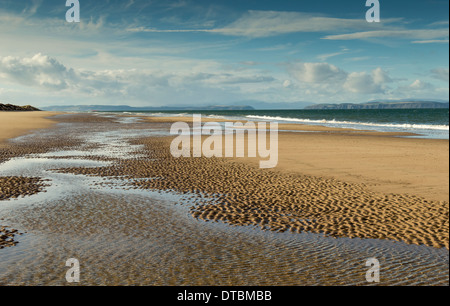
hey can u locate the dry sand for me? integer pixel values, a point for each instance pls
(14, 124)
(385, 164)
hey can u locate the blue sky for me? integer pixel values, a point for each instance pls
(158, 53)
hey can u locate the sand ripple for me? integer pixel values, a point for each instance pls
(239, 194)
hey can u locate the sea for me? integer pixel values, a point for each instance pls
(426, 123)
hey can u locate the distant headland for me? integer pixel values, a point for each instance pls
(126, 108)
(383, 105)
(15, 108)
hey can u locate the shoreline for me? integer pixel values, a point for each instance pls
(437, 130)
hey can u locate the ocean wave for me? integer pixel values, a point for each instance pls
(353, 123)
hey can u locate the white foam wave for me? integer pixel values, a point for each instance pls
(352, 123)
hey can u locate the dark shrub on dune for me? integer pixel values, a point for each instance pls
(15, 108)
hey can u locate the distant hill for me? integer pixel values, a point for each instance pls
(383, 105)
(274, 105)
(126, 108)
(236, 106)
(15, 108)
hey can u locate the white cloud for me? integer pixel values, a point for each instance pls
(420, 85)
(358, 59)
(420, 89)
(232, 79)
(287, 84)
(330, 79)
(431, 41)
(439, 23)
(257, 24)
(441, 74)
(316, 72)
(181, 83)
(270, 23)
(325, 81)
(403, 34)
(362, 82)
(30, 10)
(324, 57)
(39, 70)
(380, 76)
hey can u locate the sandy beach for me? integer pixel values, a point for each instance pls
(333, 183)
(13, 124)
(351, 183)
(384, 162)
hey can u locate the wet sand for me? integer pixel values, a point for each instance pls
(133, 214)
(241, 194)
(7, 237)
(13, 124)
(337, 182)
(13, 187)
